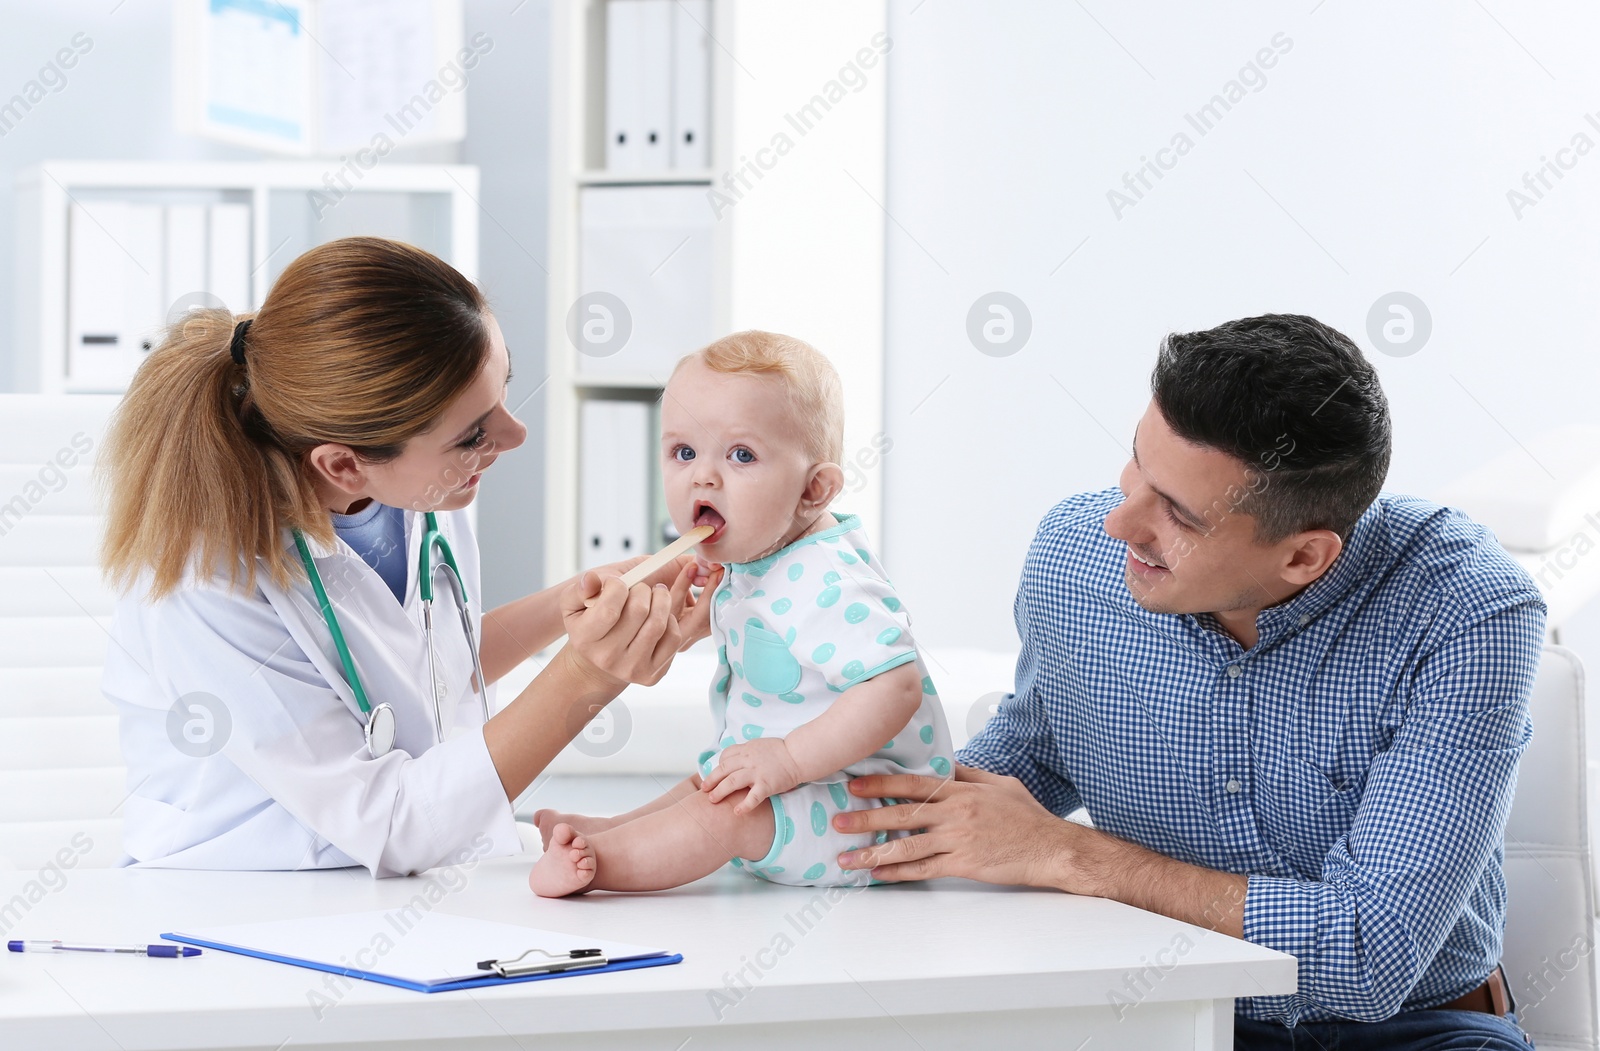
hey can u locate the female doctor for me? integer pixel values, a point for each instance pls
(362, 403)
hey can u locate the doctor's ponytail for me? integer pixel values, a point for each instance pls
(361, 341)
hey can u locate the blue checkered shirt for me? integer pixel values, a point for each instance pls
(1357, 762)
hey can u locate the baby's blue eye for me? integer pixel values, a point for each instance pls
(743, 455)
(683, 454)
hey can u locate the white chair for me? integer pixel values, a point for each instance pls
(61, 773)
(1550, 876)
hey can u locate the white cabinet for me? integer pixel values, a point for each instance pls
(109, 251)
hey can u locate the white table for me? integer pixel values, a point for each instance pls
(940, 965)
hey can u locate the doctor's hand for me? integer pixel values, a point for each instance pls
(979, 825)
(627, 634)
(667, 574)
(694, 616)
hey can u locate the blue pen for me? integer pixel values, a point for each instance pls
(169, 951)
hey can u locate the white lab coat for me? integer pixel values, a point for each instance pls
(291, 785)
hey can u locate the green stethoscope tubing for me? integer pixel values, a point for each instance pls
(432, 539)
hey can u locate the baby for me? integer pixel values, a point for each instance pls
(818, 679)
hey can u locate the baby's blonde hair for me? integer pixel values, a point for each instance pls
(810, 377)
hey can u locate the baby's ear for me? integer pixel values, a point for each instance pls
(823, 487)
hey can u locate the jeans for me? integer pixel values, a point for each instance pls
(1428, 1030)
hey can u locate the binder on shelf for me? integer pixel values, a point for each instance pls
(614, 453)
(691, 84)
(427, 952)
(651, 247)
(639, 85)
(654, 84)
(229, 267)
(186, 245)
(114, 311)
(622, 63)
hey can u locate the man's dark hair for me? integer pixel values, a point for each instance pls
(1292, 399)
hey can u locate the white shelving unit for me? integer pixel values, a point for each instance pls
(800, 249)
(433, 206)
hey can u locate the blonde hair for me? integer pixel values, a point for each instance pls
(812, 382)
(361, 341)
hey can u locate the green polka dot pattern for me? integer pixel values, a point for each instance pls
(823, 620)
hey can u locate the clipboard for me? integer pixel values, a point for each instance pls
(427, 952)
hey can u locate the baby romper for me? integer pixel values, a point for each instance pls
(795, 630)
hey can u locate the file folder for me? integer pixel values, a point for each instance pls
(114, 308)
(638, 85)
(615, 450)
(691, 84)
(187, 243)
(229, 270)
(622, 102)
(427, 952)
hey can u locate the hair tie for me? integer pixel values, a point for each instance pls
(236, 348)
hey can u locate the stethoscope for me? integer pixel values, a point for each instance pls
(380, 723)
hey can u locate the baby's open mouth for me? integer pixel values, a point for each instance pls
(706, 515)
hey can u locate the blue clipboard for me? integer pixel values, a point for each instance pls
(430, 953)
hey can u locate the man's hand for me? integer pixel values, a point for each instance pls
(764, 766)
(979, 825)
(987, 827)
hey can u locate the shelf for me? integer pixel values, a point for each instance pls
(621, 383)
(804, 255)
(693, 177)
(293, 206)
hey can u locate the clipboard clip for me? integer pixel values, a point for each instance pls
(552, 963)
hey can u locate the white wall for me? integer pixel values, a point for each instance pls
(1377, 157)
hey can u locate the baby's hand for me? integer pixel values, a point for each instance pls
(764, 766)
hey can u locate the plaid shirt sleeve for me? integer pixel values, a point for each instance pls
(1430, 817)
(1017, 741)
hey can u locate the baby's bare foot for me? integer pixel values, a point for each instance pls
(547, 820)
(567, 866)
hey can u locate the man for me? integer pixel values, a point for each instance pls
(1293, 708)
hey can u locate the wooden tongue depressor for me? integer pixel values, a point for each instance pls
(662, 557)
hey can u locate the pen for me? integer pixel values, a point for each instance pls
(169, 951)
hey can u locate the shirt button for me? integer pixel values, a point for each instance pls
(1305, 618)
(1234, 671)
(1233, 785)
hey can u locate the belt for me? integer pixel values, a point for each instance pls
(1488, 998)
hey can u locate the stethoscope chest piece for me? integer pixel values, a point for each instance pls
(380, 719)
(380, 731)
